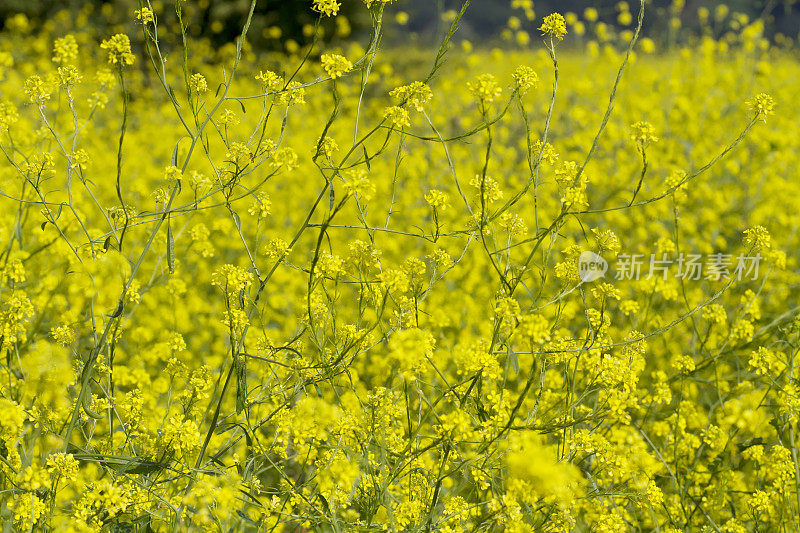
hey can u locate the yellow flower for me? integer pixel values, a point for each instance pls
(231, 279)
(525, 78)
(358, 183)
(261, 207)
(328, 8)
(554, 26)
(119, 52)
(437, 199)
(277, 249)
(643, 134)
(63, 335)
(534, 466)
(757, 238)
(397, 117)
(181, 437)
(37, 90)
(65, 50)
(762, 105)
(485, 88)
(63, 465)
(335, 65)
(198, 84)
(415, 95)
(145, 15)
(269, 80)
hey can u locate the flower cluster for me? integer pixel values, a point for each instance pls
(554, 26)
(119, 52)
(335, 65)
(282, 297)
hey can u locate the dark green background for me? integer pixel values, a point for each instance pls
(484, 19)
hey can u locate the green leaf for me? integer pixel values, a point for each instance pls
(241, 384)
(512, 358)
(118, 311)
(170, 250)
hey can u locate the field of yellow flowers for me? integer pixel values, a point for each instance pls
(549, 287)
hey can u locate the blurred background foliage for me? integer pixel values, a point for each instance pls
(289, 24)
